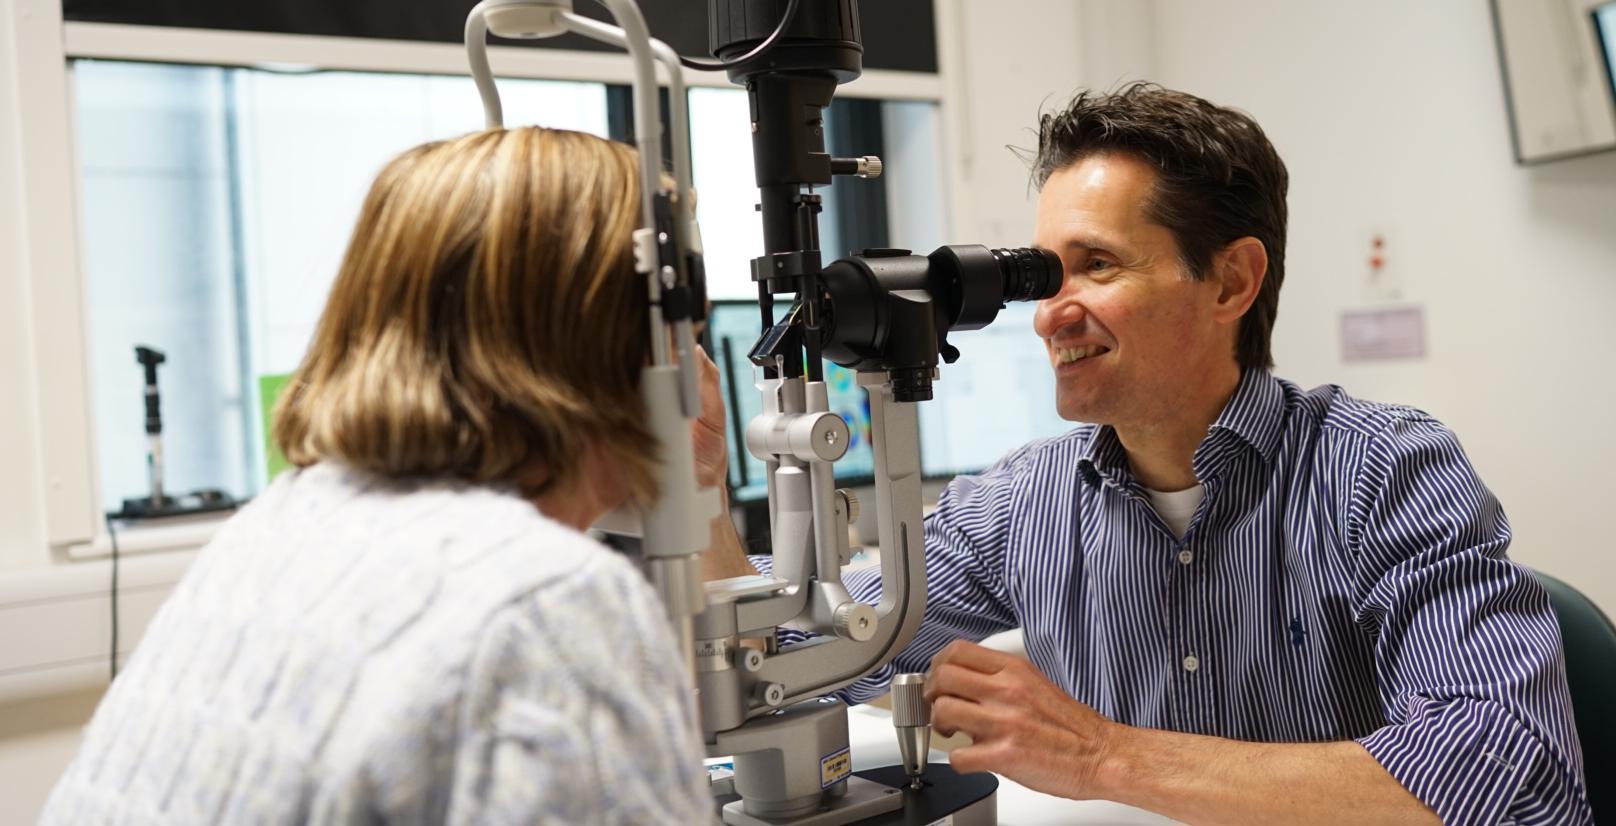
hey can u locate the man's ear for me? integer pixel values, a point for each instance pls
(1240, 268)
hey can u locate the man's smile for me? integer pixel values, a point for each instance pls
(1072, 355)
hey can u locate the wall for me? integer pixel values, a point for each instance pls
(21, 518)
(1391, 118)
(37, 739)
(30, 756)
(1001, 63)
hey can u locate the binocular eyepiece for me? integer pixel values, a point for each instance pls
(887, 309)
(1028, 273)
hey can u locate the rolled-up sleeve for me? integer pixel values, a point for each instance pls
(1468, 653)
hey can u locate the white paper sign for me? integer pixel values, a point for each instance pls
(1383, 333)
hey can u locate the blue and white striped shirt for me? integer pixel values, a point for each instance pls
(1344, 578)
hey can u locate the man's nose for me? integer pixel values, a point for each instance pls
(1064, 308)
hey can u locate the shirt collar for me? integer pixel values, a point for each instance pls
(1254, 418)
(1255, 413)
(1103, 457)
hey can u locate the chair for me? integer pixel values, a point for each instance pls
(1590, 656)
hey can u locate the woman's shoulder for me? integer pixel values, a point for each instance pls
(431, 556)
(456, 522)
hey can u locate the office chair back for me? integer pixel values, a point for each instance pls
(1590, 655)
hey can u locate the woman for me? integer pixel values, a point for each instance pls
(411, 627)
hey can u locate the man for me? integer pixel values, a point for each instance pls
(1243, 602)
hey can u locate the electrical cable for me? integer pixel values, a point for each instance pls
(113, 656)
(768, 43)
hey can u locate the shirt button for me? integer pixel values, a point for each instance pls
(1191, 663)
(1186, 556)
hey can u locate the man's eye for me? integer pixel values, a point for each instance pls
(1098, 265)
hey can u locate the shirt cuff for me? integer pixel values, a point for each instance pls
(1466, 759)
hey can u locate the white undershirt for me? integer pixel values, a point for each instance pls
(1177, 507)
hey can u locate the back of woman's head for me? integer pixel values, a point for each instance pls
(487, 322)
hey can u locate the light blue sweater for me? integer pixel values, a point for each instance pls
(353, 650)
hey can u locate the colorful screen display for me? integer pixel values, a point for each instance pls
(733, 327)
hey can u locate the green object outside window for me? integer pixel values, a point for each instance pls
(269, 389)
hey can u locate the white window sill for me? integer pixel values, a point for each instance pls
(175, 533)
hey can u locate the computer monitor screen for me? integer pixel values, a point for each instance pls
(732, 328)
(998, 396)
(1605, 22)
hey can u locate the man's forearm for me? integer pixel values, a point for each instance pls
(725, 556)
(1209, 780)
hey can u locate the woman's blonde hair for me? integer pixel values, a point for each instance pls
(487, 322)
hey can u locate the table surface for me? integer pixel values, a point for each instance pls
(873, 743)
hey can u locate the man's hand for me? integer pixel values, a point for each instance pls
(707, 432)
(1021, 725)
(1026, 728)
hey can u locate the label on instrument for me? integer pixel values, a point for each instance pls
(834, 767)
(946, 821)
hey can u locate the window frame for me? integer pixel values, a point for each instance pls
(54, 279)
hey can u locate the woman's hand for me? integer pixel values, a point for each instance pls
(707, 432)
(725, 558)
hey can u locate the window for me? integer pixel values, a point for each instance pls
(217, 205)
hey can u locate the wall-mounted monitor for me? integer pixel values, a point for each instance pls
(1605, 25)
(1557, 63)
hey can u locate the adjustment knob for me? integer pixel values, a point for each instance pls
(749, 660)
(769, 694)
(855, 621)
(864, 166)
(909, 706)
(851, 503)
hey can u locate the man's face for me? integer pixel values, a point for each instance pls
(1128, 331)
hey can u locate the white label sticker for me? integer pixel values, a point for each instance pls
(834, 767)
(946, 821)
(1383, 333)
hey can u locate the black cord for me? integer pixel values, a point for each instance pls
(768, 43)
(113, 533)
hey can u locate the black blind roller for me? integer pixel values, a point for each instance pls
(898, 34)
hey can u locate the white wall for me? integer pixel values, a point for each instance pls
(1391, 118)
(37, 739)
(22, 530)
(1001, 63)
(49, 387)
(31, 756)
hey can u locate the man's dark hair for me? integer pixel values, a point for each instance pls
(1217, 179)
